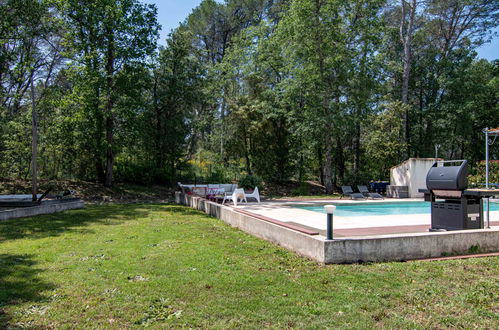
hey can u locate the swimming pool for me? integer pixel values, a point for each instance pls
(378, 209)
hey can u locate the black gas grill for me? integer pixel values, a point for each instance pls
(459, 209)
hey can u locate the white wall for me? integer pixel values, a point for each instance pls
(412, 173)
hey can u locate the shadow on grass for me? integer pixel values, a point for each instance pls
(182, 210)
(77, 220)
(19, 283)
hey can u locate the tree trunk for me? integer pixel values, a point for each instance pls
(174, 173)
(300, 164)
(356, 148)
(328, 146)
(159, 126)
(328, 163)
(34, 143)
(109, 152)
(340, 160)
(109, 109)
(95, 145)
(321, 164)
(222, 130)
(246, 154)
(406, 39)
(98, 147)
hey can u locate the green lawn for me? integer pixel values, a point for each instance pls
(169, 266)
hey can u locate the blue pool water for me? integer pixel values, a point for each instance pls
(373, 209)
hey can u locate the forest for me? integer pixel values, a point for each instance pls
(326, 90)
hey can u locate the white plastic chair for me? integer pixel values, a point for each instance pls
(255, 194)
(238, 194)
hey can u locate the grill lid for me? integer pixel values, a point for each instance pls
(448, 177)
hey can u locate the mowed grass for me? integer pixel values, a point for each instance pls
(164, 266)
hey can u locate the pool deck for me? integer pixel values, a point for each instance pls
(356, 239)
(347, 226)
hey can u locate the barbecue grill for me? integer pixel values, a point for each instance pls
(460, 208)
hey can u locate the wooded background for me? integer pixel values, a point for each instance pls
(336, 91)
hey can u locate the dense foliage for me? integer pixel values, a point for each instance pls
(337, 91)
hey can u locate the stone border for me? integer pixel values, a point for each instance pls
(396, 247)
(47, 207)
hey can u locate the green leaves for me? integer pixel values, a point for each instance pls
(300, 89)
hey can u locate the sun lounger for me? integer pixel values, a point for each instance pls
(347, 191)
(364, 191)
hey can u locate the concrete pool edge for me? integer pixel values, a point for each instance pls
(396, 247)
(47, 207)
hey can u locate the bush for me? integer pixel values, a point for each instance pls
(302, 190)
(250, 182)
(357, 178)
(477, 179)
(130, 172)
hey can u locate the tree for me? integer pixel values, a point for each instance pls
(283, 89)
(384, 150)
(433, 35)
(461, 23)
(256, 128)
(177, 91)
(30, 54)
(105, 37)
(406, 35)
(317, 40)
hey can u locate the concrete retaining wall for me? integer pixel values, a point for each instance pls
(305, 245)
(46, 207)
(411, 246)
(358, 249)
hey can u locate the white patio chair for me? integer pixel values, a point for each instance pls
(237, 195)
(229, 188)
(255, 194)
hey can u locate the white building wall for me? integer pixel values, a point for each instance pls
(412, 173)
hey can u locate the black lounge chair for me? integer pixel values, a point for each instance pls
(364, 191)
(347, 191)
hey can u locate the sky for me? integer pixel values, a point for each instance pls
(172, 12)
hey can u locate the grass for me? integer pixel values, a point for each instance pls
(164, 266)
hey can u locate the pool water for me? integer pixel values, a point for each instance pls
(377, 209)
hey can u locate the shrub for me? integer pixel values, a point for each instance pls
(250, 182)
(302, 190)
(477, 179)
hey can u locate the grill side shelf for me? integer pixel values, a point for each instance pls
(481, 192)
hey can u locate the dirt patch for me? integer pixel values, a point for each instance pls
(92, 192)
(294, 188)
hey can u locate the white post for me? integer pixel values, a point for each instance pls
(329, 227)
(488, 212)
(486, 131)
